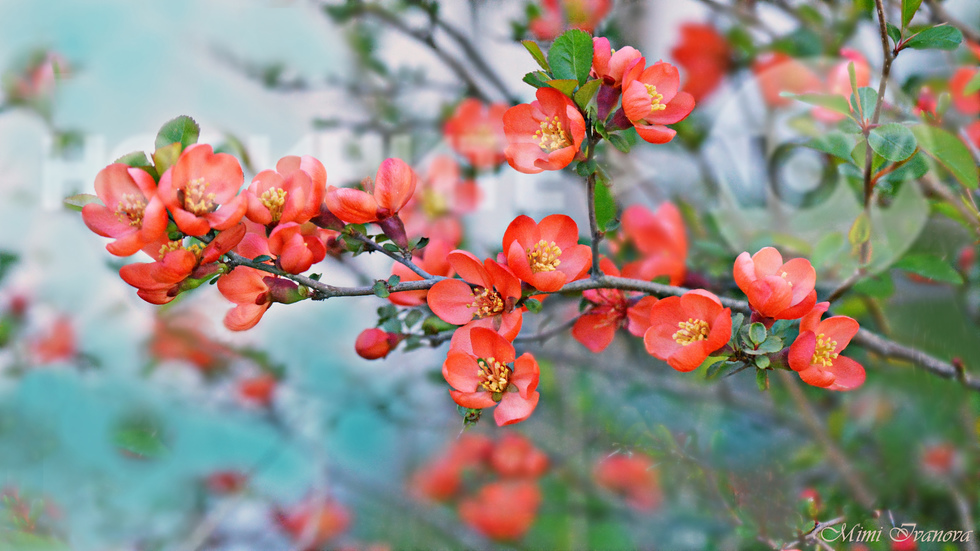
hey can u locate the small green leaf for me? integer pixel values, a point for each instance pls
(140, 437)
(880, 286)
(762, 362)
(717, 368)
(381, 289)
(433, 326)
(394, 280)
(78, 201)
(413, 317)
(262, 258)
(586, 93)
(566, 87)
(930, 267)
(867, 98)
(834, 143)
(535, 51)
(583, 169)
(605, 207)
(536, 79)
(757, 333)
(860, 229)
(909, 7)
(892, 141)
(950, 152)
(940, 37)
(894, 33)
(165, 157)
(762, 379)
(533, 305)
(136, 159)
(570, 56)
(619, 143)
(833, 102)
(183, 130)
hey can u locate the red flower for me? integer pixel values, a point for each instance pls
(611, 66)
(287, 194)
(705, 56)
(482, 376)
(973, 133)
(684, 330)
(968, 104)
(651, 100)
(546, 254)
(777, 72)
(839, 82)
(56, 344)
(632, 476)
(439, 201)
(515, 456)
(545, 134)
(815, 354)
(661, 238)
(557, 15)
(442, 478)
(297, 246)
(776, 290)
(133, 213)
(258, 390)
(373, 344)
(476, 131)
(182, 339)
(314, 522)
(201, 190)
(611, 309)
(380, 200)
(226, 482)
(490, 303)
(434, 259)
(253, 292)
(502, 510)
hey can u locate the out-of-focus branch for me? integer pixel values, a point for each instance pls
(940, 15)
(590, 201)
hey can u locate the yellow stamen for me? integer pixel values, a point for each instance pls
(495, 375)
(543, 256)
(195, 199)
(274, 199)
(434, 204)
(691, 331)
(824, 353)
(655, 98)
(552, 136)
(172, 246)
(131, 208)
(784, 275)
(488, 303)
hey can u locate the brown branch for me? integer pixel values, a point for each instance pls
(595, 236)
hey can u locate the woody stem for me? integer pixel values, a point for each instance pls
(590, 192)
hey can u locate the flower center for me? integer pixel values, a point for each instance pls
(495, 375)
(691, 331)
(824, 353)
(273, 199)
(785, 276)
(543, 256)
(655, 98)
(130, 209)
(434, 204)
(552, 136)
(172, 246)
(488, 303)
(196, 200)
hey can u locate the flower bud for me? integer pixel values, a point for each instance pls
(372, 344)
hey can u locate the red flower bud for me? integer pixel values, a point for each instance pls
(372, 344)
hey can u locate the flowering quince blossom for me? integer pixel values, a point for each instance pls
(775, 289)
(777, 72)
(651, 100)
(968, 104)
(484, 373)
(514, 456)
(661, 239)
(705, 56)
(132, 212)
(556, 16)
(611, 309)
(56, 344)
(257, 390)
(297, 246)
(439, 202)
(434, 259)
(291, 193)
(502, 511)
(490, 304)
(546, 255)
(545, 134)
(441, 479)
(632, 476)
(684, 330)
(610, 66)
(201, 190)
(815, 354)
(253, 292)
(839, 82)
(476, 131)
(182, 339)
(374, 343)
(314, 522)
(381, 199)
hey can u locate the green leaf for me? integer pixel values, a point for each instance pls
(762, 362)
(583, 169)
(930, 267)
(533, 305)
(78, 201)
(536, 79)
(860, 229)
(894, 33)
(834, 102)
(566, 87)
(892, 141)
(880, 286)
(619, 143)
(605, 207)
(834, 143)
(586, 93)
(140, 437)
(535, 51)
(757, 333)
(433, 326)
(762, 379)
(394, 280)
(136, 159)
(570, 56)
(909, 7)
(716, 368)
(950, 152)
(868, 98)
(7, 262)
(165, 157)
(380, 289)
(262, 258)
(183, 130)
(973, 86)
(940, 37)
(827, 249)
